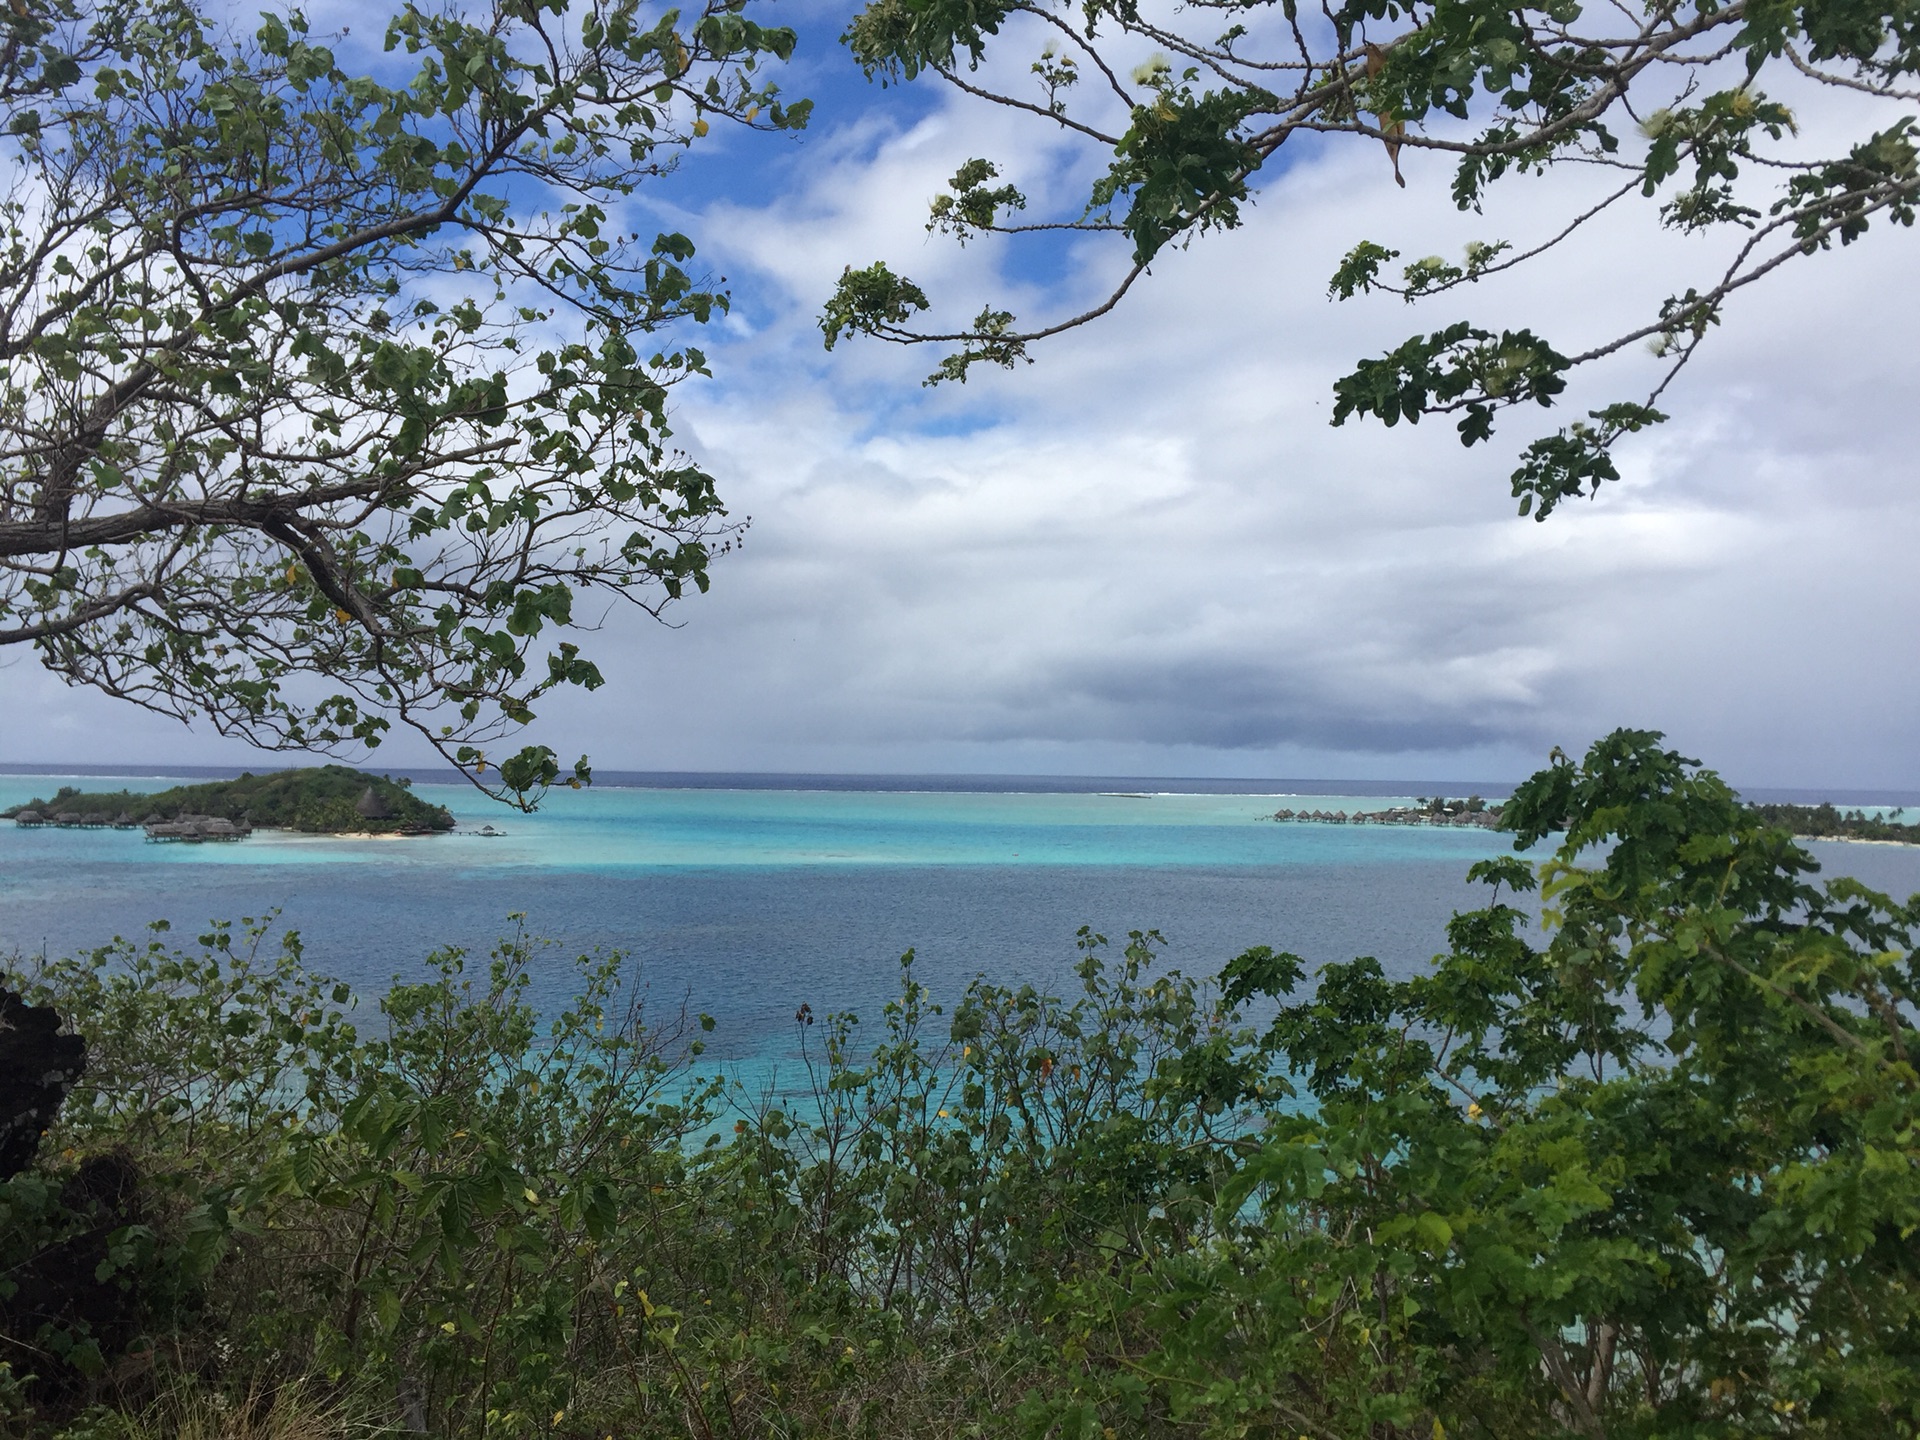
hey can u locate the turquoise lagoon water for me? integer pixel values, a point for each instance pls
(644, 828)
(746, 902)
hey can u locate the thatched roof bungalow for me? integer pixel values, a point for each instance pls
(197, 828)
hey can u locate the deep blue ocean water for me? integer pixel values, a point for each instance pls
(746, 902)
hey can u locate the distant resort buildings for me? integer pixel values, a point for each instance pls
(180, 827)
(1474, 813)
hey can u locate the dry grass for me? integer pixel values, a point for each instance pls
(290, 1412)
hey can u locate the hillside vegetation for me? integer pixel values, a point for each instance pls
(318, 800)
(1651, 1175)
(1828, 822)
(1809, 822)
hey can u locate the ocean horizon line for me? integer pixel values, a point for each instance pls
(962, 783)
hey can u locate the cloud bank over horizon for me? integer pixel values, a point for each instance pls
(1149, 552)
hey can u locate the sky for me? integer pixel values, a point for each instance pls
(1148, 552)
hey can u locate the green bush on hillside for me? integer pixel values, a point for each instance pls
(1827, 821)
(1654, 1173)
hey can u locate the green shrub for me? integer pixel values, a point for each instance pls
(1656, 1178)
(1652, 1175)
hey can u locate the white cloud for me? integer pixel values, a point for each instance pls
(1150, 553)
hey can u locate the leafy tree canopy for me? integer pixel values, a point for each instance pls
(331, 400)
(1678, 104)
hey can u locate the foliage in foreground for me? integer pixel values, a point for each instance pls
(315, 799)
(1783, 130)
(1654, 1178)
(336, 382)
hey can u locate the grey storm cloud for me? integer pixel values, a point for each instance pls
(1239, 704)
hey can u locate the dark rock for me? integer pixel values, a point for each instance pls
(38, 1065)
(72, 1285)
(67, 1282)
